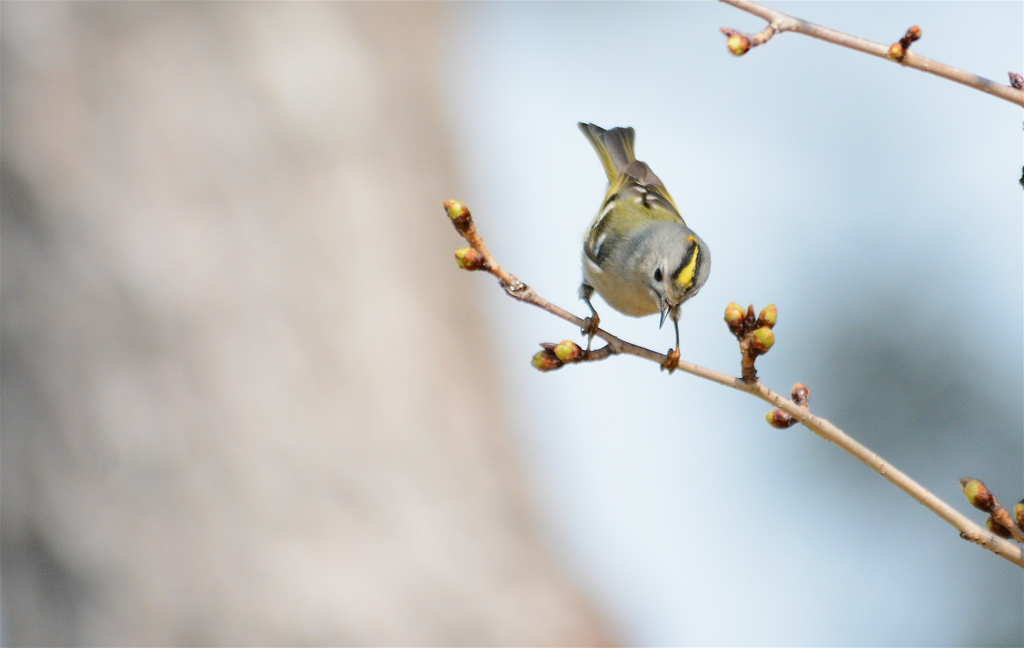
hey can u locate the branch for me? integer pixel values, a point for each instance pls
(899, 52)
(745, 327)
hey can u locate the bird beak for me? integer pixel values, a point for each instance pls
(665, 308)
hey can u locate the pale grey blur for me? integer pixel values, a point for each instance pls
(246, 395)
(248, 399)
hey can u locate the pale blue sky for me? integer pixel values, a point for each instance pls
(877, 206)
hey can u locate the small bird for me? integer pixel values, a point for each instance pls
(639, 254)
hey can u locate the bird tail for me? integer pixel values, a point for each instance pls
(614, 147)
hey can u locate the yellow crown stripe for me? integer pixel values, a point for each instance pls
(685, 276)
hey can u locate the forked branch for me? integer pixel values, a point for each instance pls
(740, 43)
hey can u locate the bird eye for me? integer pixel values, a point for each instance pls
(657, 275)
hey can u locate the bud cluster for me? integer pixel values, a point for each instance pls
(754, 333)
(999, 521)
(898, 50)
(780, 419)
(553, 356)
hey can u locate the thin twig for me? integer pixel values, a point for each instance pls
(968, 529)
(780, 22)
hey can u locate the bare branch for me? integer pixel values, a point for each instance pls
(898, 52)
(796, 409)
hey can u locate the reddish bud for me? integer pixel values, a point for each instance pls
(545, 361)
(779, 420)
(913, 34)
(997, 528)
(801, 394)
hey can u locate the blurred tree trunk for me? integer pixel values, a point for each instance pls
(243, 396)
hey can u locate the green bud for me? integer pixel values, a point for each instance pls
(1018, 512)
(738, 44)
(977, 494)
(769, 315)
(763, 339)
(459, 214)
(896, 51)
(545, 361)
(469, 259)
(734, 315)
(455, 209)
(568, 351)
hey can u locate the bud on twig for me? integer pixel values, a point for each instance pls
(780, 420)
(977, 494)
(1016, 80)
(754, 333)
(898, 51)
(459, 213)
(470, 259)
(768, 317)
(763, 339)
(1018, 513)
(568, 351)
(734, 315)
(801, 394)
(997, 528)
(545, 361)
(738, 44)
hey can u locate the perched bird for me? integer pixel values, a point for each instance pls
(639, 254)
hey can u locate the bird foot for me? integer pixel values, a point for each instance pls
(590, 326)
(672, 361)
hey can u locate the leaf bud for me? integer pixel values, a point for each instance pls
(977, 494)
(568, 351)
(738, 44)
(997, 528)
(780, 420)
(545, 361)
(734, 315)
(801, 394)
(459, 214)
(768, 317)
(762, 340)
(469, 259)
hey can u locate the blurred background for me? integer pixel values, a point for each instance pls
(248, 398)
